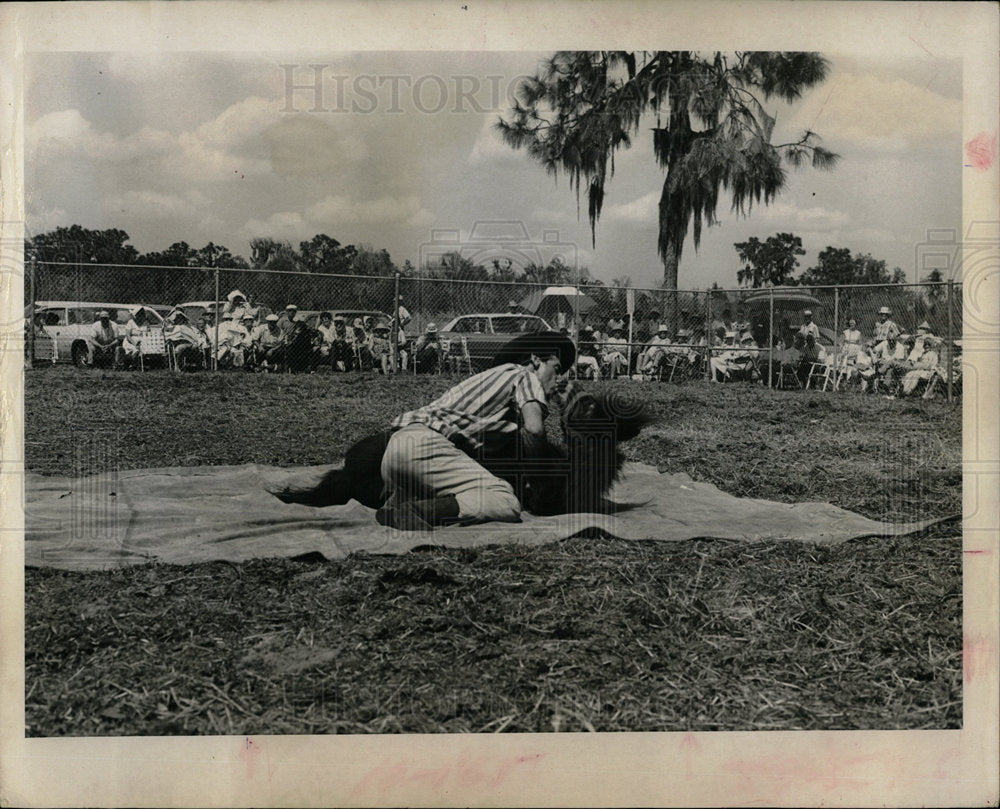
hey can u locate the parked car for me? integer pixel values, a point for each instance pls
(62, 327)
(483, 335)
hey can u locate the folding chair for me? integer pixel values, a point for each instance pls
(818, 370)
(153, 345)
(457, 361)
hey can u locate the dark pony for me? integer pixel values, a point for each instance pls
(548, 478)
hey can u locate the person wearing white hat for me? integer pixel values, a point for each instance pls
(613, 350)
(286, 321)
(885, 326)
(105, 344)
(655, 352)
(925, 365)
(722, 362)
(269, 344)
(808, 325)
(427, 351)
(235, 306)
(380, 345)
(187, 343)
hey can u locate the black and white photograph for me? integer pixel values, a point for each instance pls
(517, 423)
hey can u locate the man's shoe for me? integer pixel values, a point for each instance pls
(403, 517)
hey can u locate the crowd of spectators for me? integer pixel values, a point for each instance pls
(891, 362)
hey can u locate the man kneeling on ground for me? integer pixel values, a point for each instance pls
(430, 479)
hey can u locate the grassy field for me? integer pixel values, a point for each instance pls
(583, 634)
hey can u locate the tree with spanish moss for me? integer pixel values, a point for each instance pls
(711, 130)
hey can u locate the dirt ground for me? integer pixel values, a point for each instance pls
(584, 634)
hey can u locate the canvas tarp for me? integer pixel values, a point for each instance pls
(198, 514)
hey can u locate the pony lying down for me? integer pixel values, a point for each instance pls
(547, 478)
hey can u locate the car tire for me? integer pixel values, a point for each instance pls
(80, 355)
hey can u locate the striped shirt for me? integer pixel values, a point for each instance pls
(484, 403)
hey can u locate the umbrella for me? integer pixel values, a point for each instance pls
(553, 300)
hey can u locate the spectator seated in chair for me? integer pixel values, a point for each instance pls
(813, 354)
(269, 345)
(427, 351)
(186, 342)
(325, 335)
(381, 347)
(924, 366)
(790, 358)
(735, 360)
(341, 347)
(359, 343)
(232, 336)
(105, 344)
(891, 361)
(613, 359)
(653, 356)
(135, 332)
(587, 366)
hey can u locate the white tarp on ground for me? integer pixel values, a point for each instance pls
(198, 514)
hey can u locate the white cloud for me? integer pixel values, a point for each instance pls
(815, 216)
(643, 210)
(875, 113)
(490, 148)
(383, 210)
(154, 205)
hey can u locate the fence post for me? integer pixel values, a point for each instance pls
(951, 334)
(218, 315)
(31, 315)
(394, 334)
(770, 337)
(708, 334)
(836, 326)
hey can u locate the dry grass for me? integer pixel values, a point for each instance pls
(579, 635)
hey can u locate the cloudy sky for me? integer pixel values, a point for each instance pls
(399, 152)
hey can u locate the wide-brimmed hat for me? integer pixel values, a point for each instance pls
(103, 313)
(807, 313)
(542, 343)
(271, 318)
(662, 327)
(925, 326)
(885, 310)
(431, 328)
(235, 294)
(684, 333)
(291, 306)
(358, 323)
(746, 336)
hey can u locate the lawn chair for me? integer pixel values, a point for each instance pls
(457, 361)
(153, 345)
(817, 371)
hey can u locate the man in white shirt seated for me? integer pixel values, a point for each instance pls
(105, 344)
(890, 359)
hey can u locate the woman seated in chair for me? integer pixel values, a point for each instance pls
(381, 348)
(586, 359)
(924, 367)
(613, 359)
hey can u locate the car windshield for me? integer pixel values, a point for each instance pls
(514, 325)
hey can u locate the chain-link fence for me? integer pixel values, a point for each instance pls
(620, 331)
